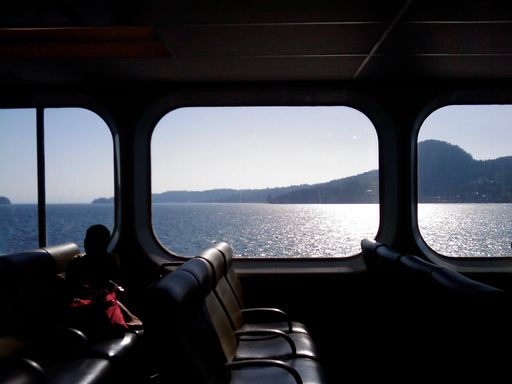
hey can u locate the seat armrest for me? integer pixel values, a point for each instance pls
(265, 363)
(254, 315)
(270, 333)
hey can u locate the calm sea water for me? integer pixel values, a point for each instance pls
(272, 230)
(267, 229)
(65, 222)
(467, 229)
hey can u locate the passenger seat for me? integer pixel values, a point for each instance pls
(195, 343)
(232, 291)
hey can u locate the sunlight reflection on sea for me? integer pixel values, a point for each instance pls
(267, 229)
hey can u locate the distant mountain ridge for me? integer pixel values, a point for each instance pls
(446, 173)
(223, 195)
(358, 189)
(361, 188)
(4, 201)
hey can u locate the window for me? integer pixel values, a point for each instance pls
(78, 163)
(465, 180)
(271, 181)
(79, 171)
(18, 180)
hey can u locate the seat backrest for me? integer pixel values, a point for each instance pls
(62, 254)
(417, 274)
(231, 276)
(456, 282)
(415, 264)
(179, 330)
(10, 318)
(382, 264)
(429, 305)
(222, 288)
(33, 285)
(426, 276)
(218, 314)
(369, 253)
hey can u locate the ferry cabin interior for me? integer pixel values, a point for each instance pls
(396, 310)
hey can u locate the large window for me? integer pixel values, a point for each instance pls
(271, 181)
(465, 180)
(77, 158)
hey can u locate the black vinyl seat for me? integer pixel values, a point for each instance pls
(250, 318)
(187, 325)
(307, 372)
(34, 299)
(416, 270)
(81, 370)
(377, 257)
(439, 295)
(258, 343)
(426, 307)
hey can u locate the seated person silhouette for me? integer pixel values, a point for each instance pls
(94, 308)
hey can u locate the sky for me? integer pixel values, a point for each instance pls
(229, 147)
(260, 147)
(484, 131)
(78, 149)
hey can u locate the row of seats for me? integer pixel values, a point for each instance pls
(35, 346)
(195, 319)
(383, 259)
(427, 311)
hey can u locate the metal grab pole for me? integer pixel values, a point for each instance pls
(41, 180)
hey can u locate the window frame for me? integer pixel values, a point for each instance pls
(476, 264)
(58, 101)
(214, 97)
(168, 129)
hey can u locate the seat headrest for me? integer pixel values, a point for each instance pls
(368, 248)
(227, 252)
(178, 288)
(214, 257)
(416, 264)
(368, 245)
(388, 254)
(62, 254)
(202, 272)
(378, 256)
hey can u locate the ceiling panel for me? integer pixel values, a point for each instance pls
(164, 12)
(459, 10)
(299, 68)
(89, 71)
(271, 40)
(439, 67)
(450, 38)
(80, 43)
(257, 40)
